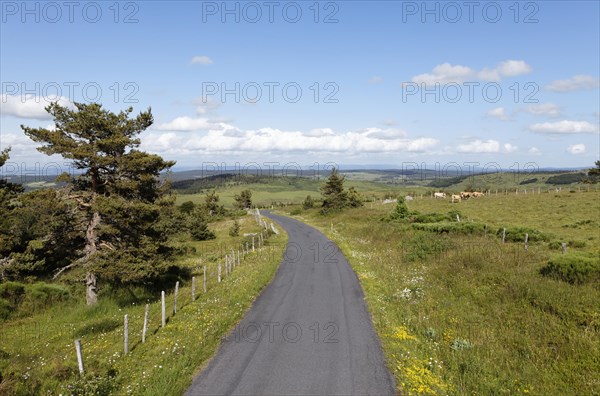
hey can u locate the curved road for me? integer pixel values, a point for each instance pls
(308, 333)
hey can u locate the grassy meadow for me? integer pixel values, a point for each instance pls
(37, 353)
(459, 312)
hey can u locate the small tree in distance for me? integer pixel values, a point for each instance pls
(334, 195)
(243, 200)
(308, 203)
(594, 173)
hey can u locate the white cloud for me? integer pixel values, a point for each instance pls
(576, 83)
(534, 151)
(564, 127)
(544, 109)
(444, 74)
(576, 149)
(28, 106)
(271, 140)
(447, 73)
(511, 68)
(375, 80)
(509, 148)
(201, 60)
(498, 113)
(479, 146)
(317, 132)
(386, 134)
(186, 124)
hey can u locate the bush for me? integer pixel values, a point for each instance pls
(575, 268)
(13, 292)
(42, 295)
(296, 211)
(517, 234)
(17, 297)
(399, 212)
(5, 308)
(235, 229)
(308, 203)
(446, 227)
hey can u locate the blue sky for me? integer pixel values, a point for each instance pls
(382, 82)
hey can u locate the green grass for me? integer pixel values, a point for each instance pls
(465, 314)
(281, 190)
(37, 354)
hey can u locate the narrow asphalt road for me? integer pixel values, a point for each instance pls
(308, 333)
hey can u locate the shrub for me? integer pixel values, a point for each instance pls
(296, 211)
(399, 212)
(235, 229)
(517, 234)
(13, 292)
(575, 268)
(308, 203)
(42, 295)
(429, 217)
(5, 309)
(446, 227)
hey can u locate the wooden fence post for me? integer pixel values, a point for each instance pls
(485, 230)
(163, 309)
(503, 234)
(238, 257)
(564, 248)
(126, 335)
(219, 273)
(205, 279)
(145, 323)
(79, 356)
(526, 241)
(252, 244)
(193, 288)
(175, 299)
(457, 218)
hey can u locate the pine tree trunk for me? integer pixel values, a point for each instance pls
(91, 296)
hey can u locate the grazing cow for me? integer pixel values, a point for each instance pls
(456, 198)
(439, 195)
(408, 198)
(477, 194)
(465, 195)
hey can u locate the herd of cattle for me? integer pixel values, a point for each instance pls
(461, 196)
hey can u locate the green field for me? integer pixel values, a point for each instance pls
(280, 190)
(465, 314)
(457, 311)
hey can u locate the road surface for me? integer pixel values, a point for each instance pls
(308, 333)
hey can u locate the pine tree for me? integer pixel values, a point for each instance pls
(594, 173)
(118, 191)
(211, 202)
(334, 195)
(243, 200)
